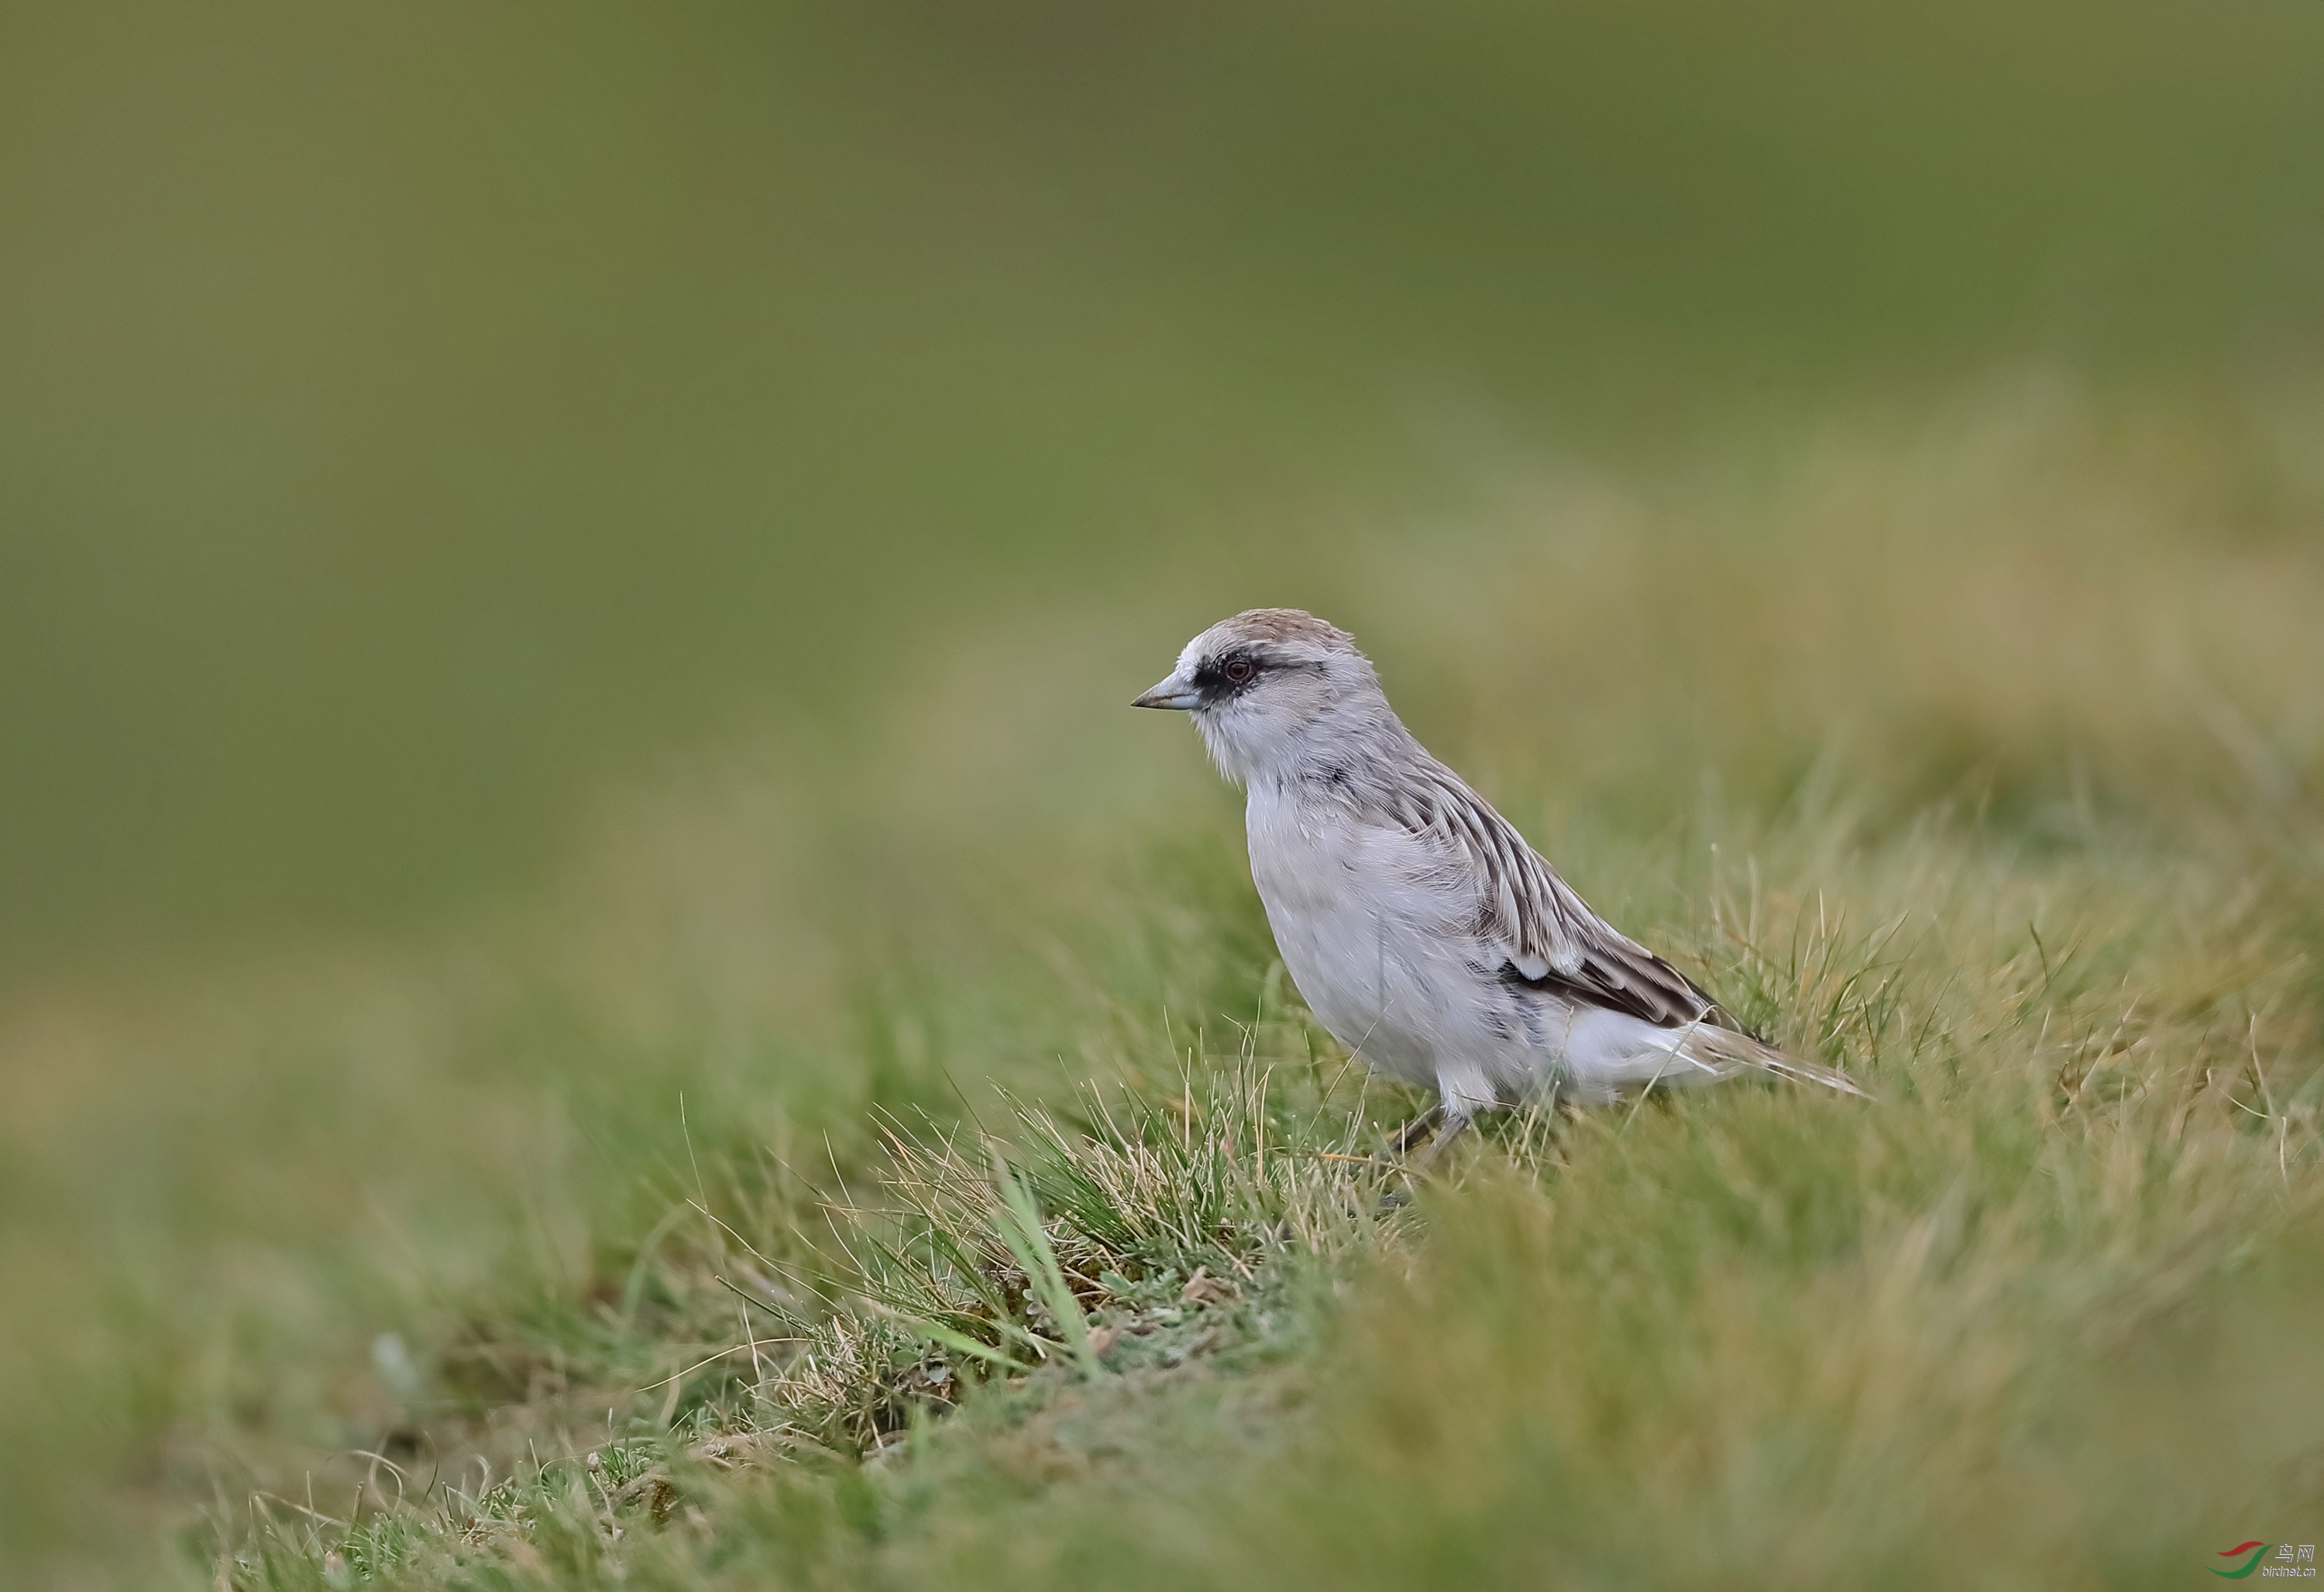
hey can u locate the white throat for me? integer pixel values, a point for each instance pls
(1255, 741)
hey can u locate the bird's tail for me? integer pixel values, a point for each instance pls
(1725, 1053)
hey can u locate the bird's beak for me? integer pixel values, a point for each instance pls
(1171, 693)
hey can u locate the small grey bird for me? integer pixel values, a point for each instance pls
(1420, 928)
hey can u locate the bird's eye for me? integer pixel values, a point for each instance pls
(1240, 670)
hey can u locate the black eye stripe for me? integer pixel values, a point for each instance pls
(1215, 678)
(1218, 678)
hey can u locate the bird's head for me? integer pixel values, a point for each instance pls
(1260, 686)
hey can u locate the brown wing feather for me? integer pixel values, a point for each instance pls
(1551, 939)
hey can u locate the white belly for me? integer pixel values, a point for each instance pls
(1364, 962)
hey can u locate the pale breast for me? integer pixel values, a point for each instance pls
(1361, 941)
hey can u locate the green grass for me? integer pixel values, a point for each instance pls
(912, 1168)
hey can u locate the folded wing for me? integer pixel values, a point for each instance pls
(1527, 921)
(1530, 919)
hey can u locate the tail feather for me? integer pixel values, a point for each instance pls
(1727, 1052)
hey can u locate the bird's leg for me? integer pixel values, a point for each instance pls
(1416, 1130)
(1400, 1142)
(1456, 1123)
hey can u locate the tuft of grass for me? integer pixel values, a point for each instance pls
(1143, 1234)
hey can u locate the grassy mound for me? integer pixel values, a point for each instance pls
(911, 1167)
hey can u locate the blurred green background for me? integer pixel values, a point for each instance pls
(412, 417)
